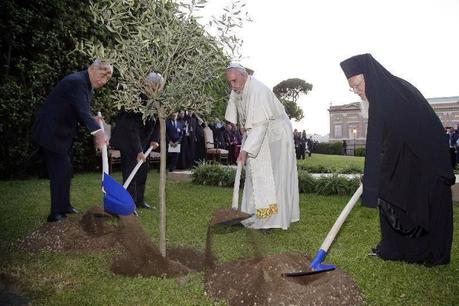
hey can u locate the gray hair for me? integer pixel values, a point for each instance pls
(238, 67)
(156, 78)
(100, 65)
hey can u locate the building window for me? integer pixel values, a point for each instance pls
(338, 131)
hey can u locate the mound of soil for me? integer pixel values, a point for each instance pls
(70, 235)
(97, 231)
(259, 282)
(255, 281)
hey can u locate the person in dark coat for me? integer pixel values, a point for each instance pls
(174, 133)
(199, 155)
(133, 136)
(344, 147)
(452, 138)
(193, 130)
(184, 158)
(407, 175)
(56, 124)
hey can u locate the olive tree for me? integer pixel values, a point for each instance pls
(163, 36)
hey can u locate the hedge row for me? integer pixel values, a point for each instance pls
(217, 175)
(327, 169)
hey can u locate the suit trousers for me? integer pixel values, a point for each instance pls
(137, 186)
(59, 167)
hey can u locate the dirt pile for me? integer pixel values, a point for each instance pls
(259, 280)
(97, 231)
(253, 281)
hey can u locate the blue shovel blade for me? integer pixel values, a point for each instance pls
(316, 266)
(117, 200)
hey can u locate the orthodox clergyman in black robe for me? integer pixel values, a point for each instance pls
(408, 174)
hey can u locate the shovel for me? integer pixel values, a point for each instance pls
(316, 265)
(232, 215)
(116, 198)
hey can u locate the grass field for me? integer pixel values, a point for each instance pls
(51, 278)
(333, 161)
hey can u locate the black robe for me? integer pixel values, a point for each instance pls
(407, 173)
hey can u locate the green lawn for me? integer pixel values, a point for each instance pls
(57, 279)
(333, 161)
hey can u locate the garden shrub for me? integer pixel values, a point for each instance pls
(360, 152)
(218, 175)
(336, 185)
(331, 148)
(215, 175)
(306, 182)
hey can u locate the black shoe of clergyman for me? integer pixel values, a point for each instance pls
(56, 218)
(143, 205)
(373, 252)
(72, 210)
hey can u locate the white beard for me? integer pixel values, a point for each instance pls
(364, 108)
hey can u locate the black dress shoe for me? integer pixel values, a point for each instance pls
(72, 210)
(143, 205)
(56, 218)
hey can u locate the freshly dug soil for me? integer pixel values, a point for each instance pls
(227, 216)
(97, 231)
(253, 281)
(259, 280)
(70, 235)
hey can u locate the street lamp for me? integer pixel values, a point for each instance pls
(354, 131)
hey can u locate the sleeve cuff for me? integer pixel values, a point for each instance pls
(93, 132)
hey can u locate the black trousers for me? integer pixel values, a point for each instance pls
(137, 186)
(172, 159)
(59, 167)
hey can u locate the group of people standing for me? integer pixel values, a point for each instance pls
(407, 176)
(188, 136)
(452, 136)
(303, 144)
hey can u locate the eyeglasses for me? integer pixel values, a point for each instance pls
(355, 88)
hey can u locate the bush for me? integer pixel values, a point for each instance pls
(306, 182)
(332, 148)
(336, 185)
(218, 175)
(360, 152)
(215, 175)
(350, 170)
(325, 169)
(316, 168)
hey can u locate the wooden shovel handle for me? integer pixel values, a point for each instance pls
(237, 180)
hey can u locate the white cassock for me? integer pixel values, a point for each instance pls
(271, 182)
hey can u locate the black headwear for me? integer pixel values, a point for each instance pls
(352, 66)
(404, 136)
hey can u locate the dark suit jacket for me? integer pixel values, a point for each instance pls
(132, 134)
(174, 134)
(68, 104)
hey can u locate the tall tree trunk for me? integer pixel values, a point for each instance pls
(162, 185)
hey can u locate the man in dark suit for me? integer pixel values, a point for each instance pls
(174, 132)
(56, 125)
(132, 136)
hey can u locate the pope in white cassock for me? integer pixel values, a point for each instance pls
(268, 151)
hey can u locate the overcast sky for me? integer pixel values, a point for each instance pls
(416, 40)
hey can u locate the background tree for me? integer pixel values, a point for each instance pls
(288, 92)
(36, 40)
(163, 36)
